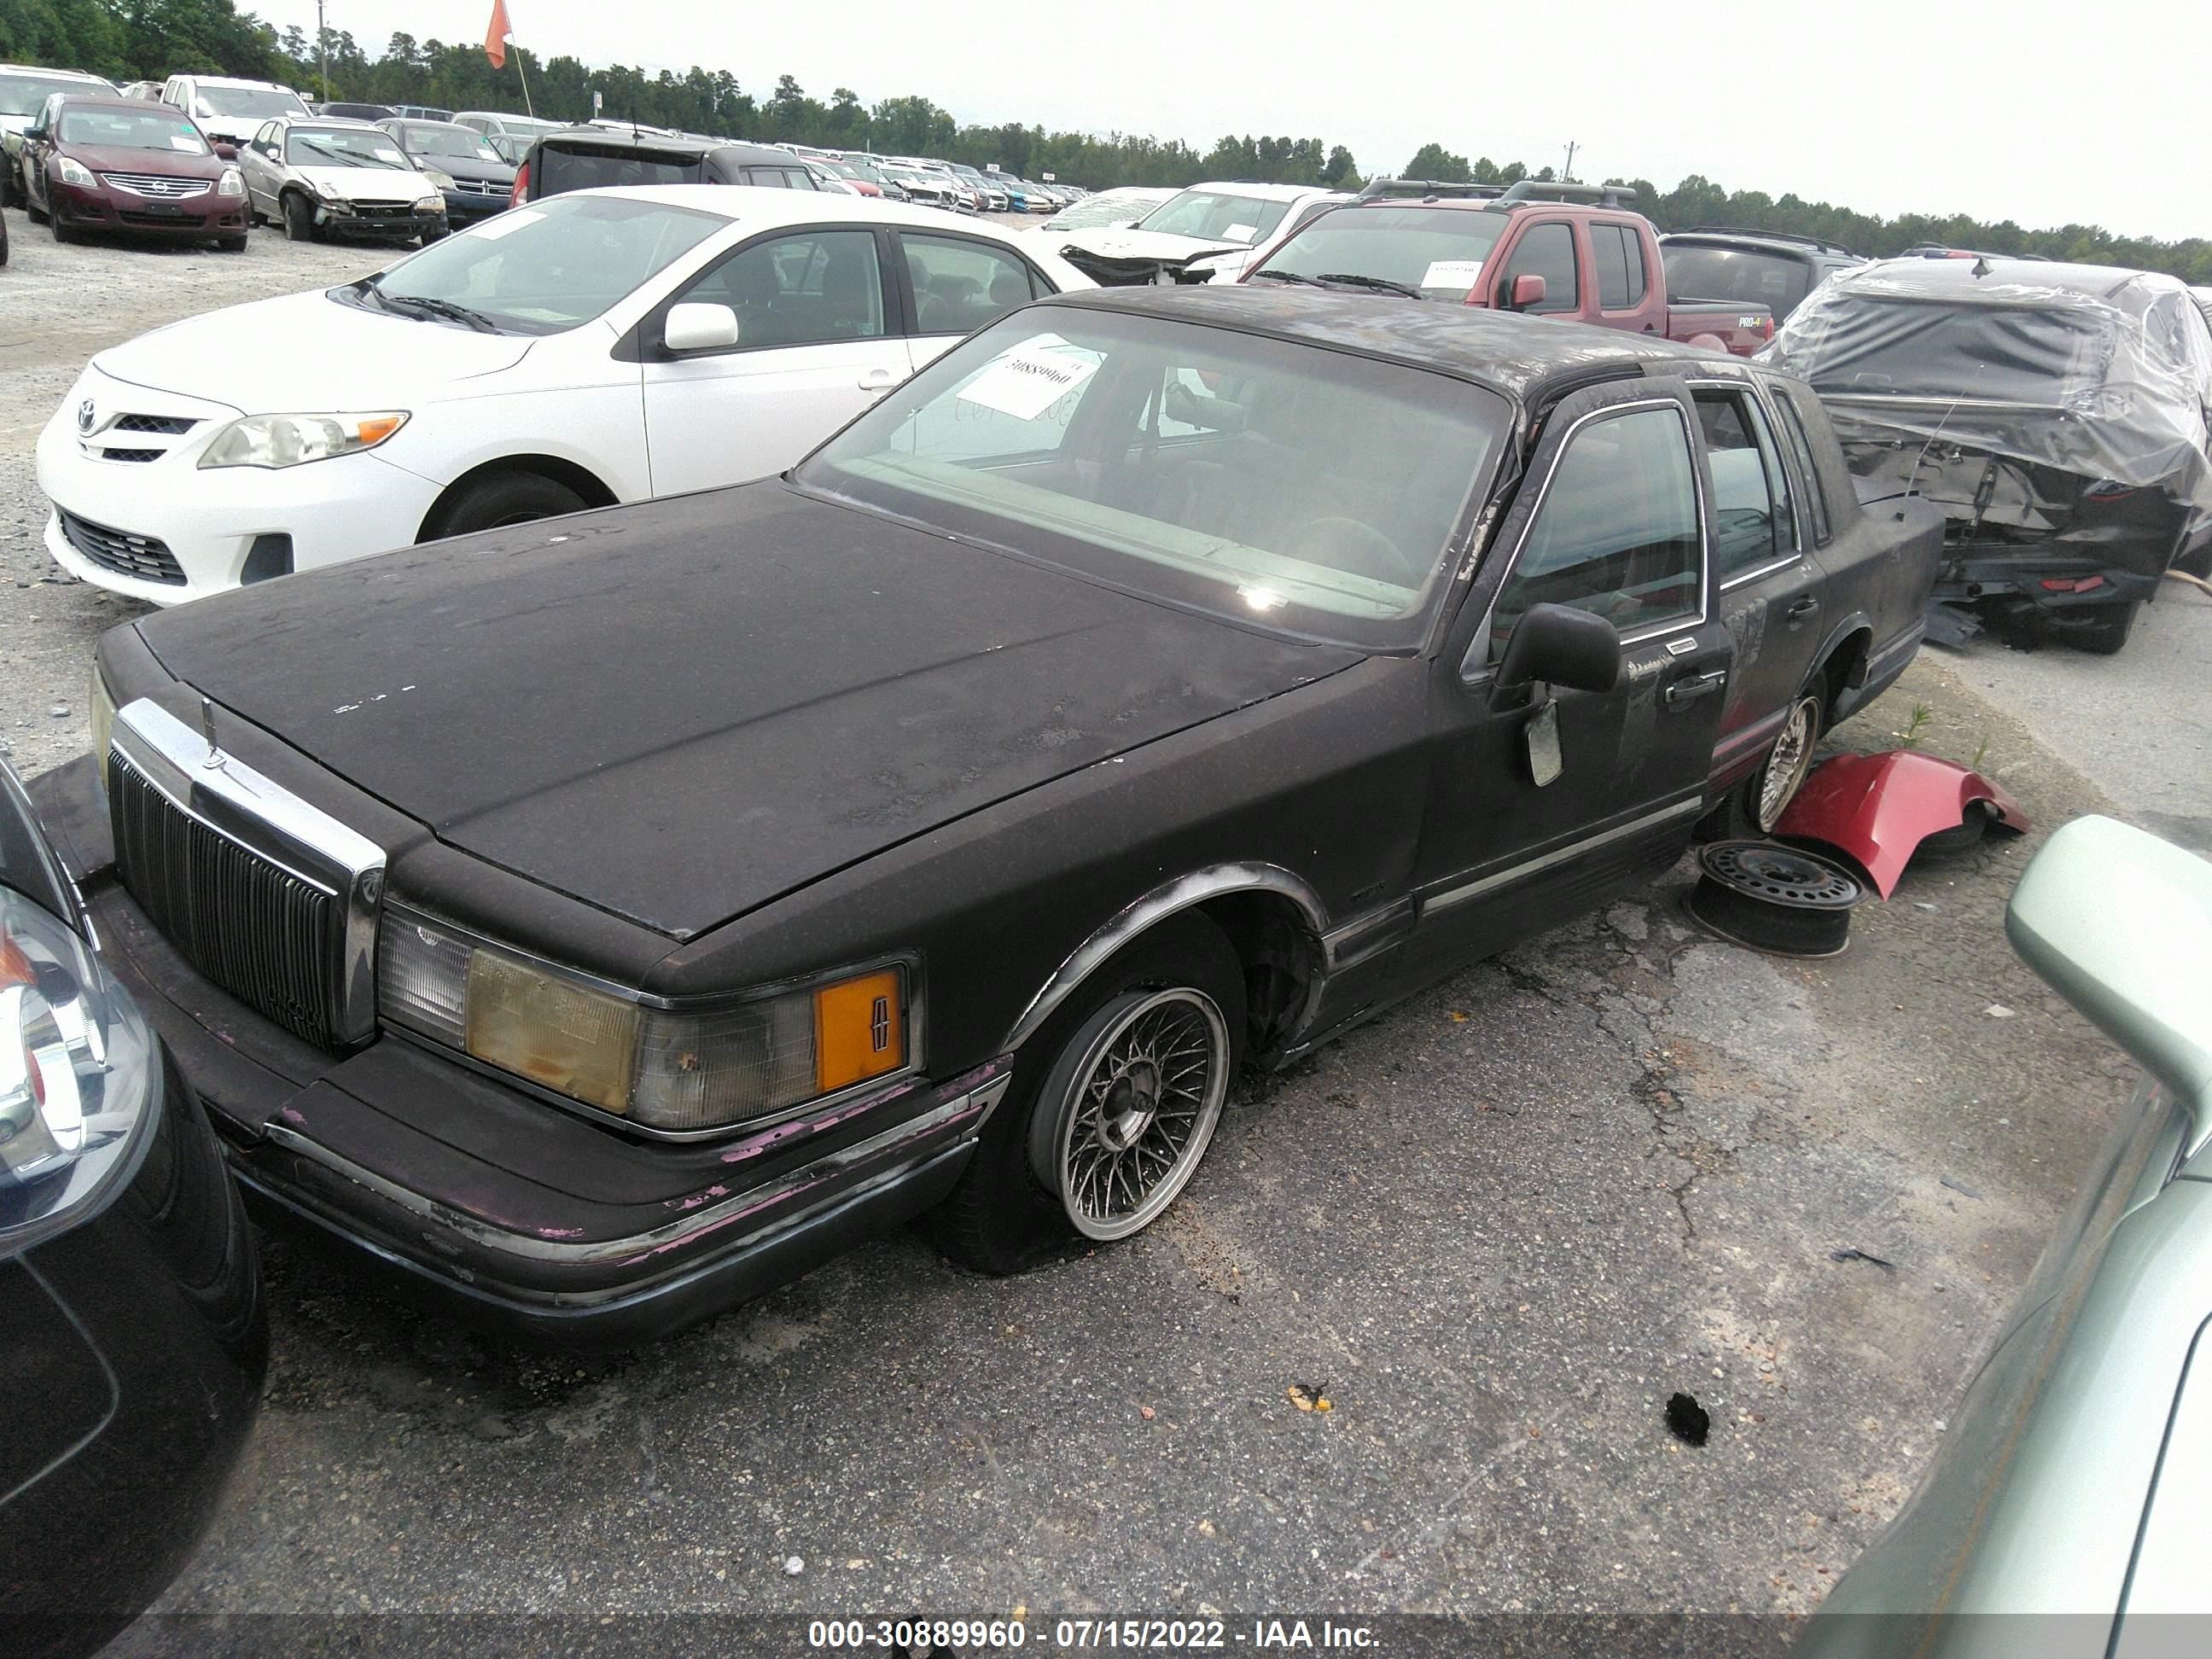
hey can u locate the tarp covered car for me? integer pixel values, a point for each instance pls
(2056, 413)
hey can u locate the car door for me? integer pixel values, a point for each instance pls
(953, 285)
(817, 343)
(1610, 518)
(36, 150)
(1547, 249)
(1771, 594)
(257, 162)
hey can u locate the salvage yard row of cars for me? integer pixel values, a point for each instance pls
(1439, 570)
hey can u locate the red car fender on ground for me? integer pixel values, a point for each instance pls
(1877, 808)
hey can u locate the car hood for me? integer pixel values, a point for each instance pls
(159, 163)
(1121, 258)
(335, 356)
(365, 183)
(678, 711)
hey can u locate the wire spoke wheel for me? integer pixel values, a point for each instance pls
(1788, 761)
(1146, 1096)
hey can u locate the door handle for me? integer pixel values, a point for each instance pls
(1804, 607)
(878, 379)
(1689, 690)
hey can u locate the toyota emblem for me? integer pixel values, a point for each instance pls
(86, 416)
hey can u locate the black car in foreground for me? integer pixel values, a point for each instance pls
(132, 1336)
(603, 920)
(2057, 413)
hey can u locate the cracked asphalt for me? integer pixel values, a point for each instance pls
(1497, 1229)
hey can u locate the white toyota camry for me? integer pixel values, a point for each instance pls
(597, 347)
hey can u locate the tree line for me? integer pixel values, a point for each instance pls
(132, 40)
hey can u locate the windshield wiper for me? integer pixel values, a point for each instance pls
(1382, 283)
(460, 314)
(1286, 276)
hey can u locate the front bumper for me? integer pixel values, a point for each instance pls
(349, 219)
(479, 1197)
(209, 213)
(468, 207)
(205, 524)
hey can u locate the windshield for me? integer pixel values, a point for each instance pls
(1094, 210)
(21, 94)
(448, 141)
(1216, 218)
(1773, 280)
(546, 268)
(154, 128)
(308, 147)
(247, 100)
(1276, 484)
(1439, 251)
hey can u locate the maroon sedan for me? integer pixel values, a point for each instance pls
(123, 164)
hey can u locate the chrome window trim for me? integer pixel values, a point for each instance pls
(1650, 630)
(402, 913)
(232, 800)
(1748, 387)
(1557, 855)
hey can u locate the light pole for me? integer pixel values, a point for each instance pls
(322, 50)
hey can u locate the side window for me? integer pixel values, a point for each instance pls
(1816, 494)
(765, 177)
(1546, 251)
(266, 138)
(1617, 534)
(1751, 525)
(959, 285)
(1632, 245)
(1609, 252)
(805, 289)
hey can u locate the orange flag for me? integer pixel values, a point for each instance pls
(497, 36)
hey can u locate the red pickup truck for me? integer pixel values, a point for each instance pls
(1576, 252)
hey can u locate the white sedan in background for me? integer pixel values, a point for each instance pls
(596, 347)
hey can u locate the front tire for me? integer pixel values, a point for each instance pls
(500, 500)
(60, 227)
(1113, 1105)
(299, 218)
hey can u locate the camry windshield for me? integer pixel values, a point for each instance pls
(248, 100)
(1438, 250)
(449, 141)
(153, 128)
(1214, 216)
(307, 147)
(21, 94)
(537, 270)
(1282, 485)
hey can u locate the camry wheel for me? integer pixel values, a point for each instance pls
(499, 500)
(1114, 1103)
(1126, 1117)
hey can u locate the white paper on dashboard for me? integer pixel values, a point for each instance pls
(1453, 273)
(1031, 378)
(188, 145)
(1242, 232)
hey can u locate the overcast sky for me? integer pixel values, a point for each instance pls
(2045, 113)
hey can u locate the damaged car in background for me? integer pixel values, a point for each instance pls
(1209, 233)
(2056, 413)
(814, 882)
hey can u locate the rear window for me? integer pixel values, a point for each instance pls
(1776, 281)
(566, 166)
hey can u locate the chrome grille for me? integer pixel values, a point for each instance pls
(482, 187)
(146, 557)
(155, 183)
(172, 425)
(268, 937)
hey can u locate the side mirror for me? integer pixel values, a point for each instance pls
(1561, 645)
(694, 327)
(1528, 290)
(225, 151)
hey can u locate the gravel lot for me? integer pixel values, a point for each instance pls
(1498, 1228)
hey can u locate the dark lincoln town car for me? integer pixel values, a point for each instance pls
(602, 920)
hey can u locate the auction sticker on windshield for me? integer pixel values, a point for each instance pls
(1453, 273)
(1031, 378)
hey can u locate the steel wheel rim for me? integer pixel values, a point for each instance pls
(1787, 763)
(1141, 1112)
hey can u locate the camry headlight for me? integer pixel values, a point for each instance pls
(79, 1077)
(73, 171)
(278, 441)
(673, 1069)
(234, 183)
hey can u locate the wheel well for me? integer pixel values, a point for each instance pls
(565, 473)
(1845, 667)
(1274, 939)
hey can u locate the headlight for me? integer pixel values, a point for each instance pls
(443, 180)
(678, 1070)
(277, 441)
(73, 171)
(102, 705)
(79, 1077)
(234, 183)
(431, 203)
